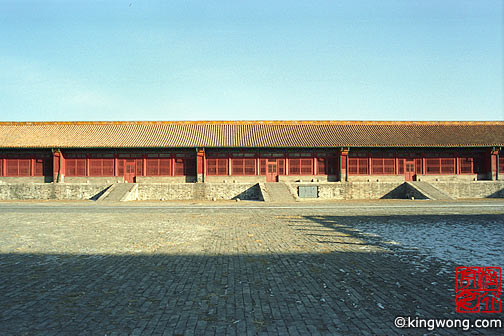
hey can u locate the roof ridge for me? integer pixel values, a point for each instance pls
(254, 122)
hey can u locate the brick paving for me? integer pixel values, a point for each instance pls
(196, 272)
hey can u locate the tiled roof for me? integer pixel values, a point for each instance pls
(250, 134)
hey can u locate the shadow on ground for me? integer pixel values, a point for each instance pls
(347, 293)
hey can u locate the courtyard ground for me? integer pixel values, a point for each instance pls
(234, 268)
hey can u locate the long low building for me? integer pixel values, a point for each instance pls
(250, 151)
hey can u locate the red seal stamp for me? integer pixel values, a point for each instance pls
(478, 289)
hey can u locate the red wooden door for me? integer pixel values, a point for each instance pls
(129, 172)
(271, 172)
(409, 170)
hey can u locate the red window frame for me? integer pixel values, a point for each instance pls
(382, 166)
(42, 166)
(400, 166)
(243, 166)
(18, 167)
(466, 165)
(358, 166)
(184, 166)
(263, 164)
(101, 167)
(440, 166)
(501, 164)
(75, 167)
(155, 167)
(217, 166)
(301, 166)
(321, 166)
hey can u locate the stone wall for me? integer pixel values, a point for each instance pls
(199, 191)
(93, 180)
(165, 179)
(234, 179)
(448, 178)
(359, 190)
(307, 178)
(376, 178)
(46, 191)
(399, 190)
(475, 189)
(25, 179)
(244, 191)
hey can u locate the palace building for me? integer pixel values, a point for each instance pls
(250, 151)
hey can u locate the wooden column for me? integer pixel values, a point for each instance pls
(57, 166)
(497, 165)
(493, 153)
(344, 156)
(200, 165)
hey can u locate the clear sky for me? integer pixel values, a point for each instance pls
(239, 59)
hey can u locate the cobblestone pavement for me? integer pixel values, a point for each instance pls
(89, 270)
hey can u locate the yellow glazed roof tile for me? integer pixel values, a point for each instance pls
(157, 134)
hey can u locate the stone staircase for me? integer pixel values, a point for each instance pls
(118, 192)
(278, 192)
(429, 191)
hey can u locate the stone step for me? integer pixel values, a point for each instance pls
(117, 192)
(278, 192)
(429, 191)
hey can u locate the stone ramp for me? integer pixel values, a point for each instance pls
(278, 192)
(429, 191)
(117, 192)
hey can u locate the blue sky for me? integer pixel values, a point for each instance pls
(226, 60)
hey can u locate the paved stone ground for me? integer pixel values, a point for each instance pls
(90, 270)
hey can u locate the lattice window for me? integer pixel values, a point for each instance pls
(400, 166)
(321, 166)
(262, 166)
(294, 167)
(211, 165)
(306, 166)
(101, 167)
(447, 166)
(250, 166)
(300, 166)
(389, 166)
(222, 166)
(418, 166)
(440, 166)
(178, 166)
(501, 164)
(377, 166)
(185, 167)
(18, 167)
(363, 166)
(466, 165)
(156, 167)
(217, 166)
(382, 166)
(353, 166)
(432, 166)
(281, 166)
(358, 166)
(75, 167)
(38, 167)
(120, 167)
(243, 166)
(42, 167)
(237, 166)
(152, 167)
(139, 166)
